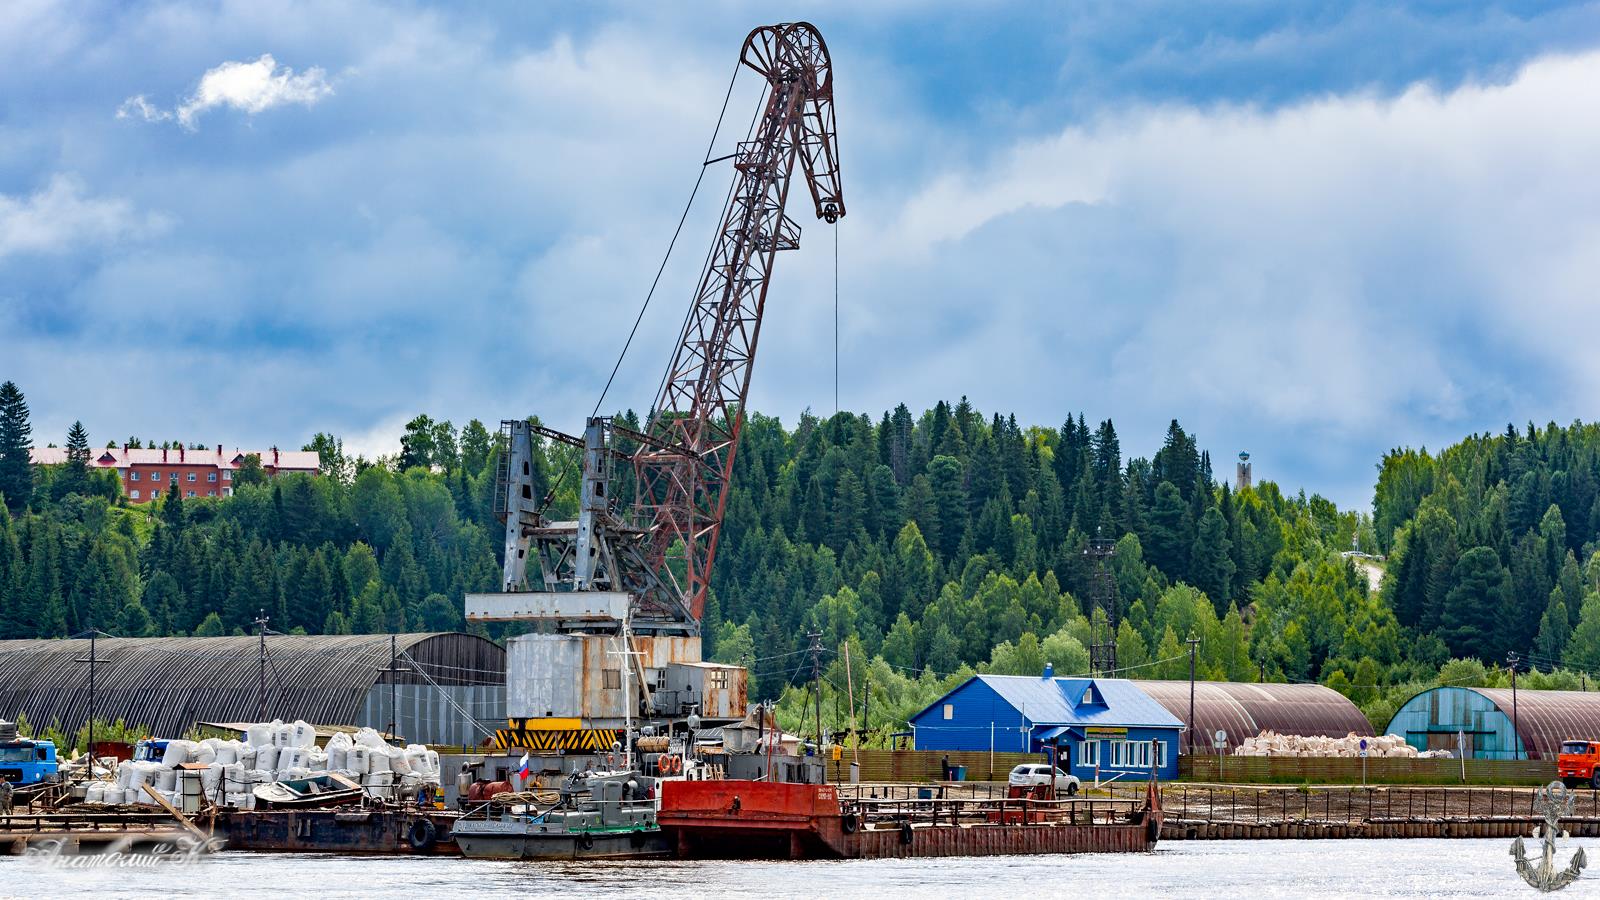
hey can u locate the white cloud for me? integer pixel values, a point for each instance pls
(250, 87)
(61, 217)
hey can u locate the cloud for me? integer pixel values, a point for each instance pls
(251, 87)
(61, 217)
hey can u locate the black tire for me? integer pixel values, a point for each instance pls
(1594, 780)
(1152, 828)
(586, 841)
(905, 832)
(849, 824)
(1072, 789)
(422, 835)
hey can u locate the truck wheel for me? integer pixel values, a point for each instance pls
(1594, 780)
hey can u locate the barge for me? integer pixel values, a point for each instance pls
(611, 815)
(377, 830)
(765, 819)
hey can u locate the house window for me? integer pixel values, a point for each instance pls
(189, 494)
(211, 493)
(949, 711)
(134, 493)
(133, 476)
(227, 492)
(1089, 753)
(719, 679)
(191, 476)
(611, 680)
(1161, 754)
(227, 476)
(211, 476)
(156, 475)
(174, 478)
(154, 493)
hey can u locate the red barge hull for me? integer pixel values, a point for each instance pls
(754, 819)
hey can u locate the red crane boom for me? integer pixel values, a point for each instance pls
(682, 496)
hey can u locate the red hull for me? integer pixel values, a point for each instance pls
(744, 819)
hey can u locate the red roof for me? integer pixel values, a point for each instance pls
(118, 458)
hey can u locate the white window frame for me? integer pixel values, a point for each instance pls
(211, 476)
(949, 711)
(133, 476)
(134, 493)
(227, 476)
(227, 492)
(191, 476)
(154, 493)
(1089, 753)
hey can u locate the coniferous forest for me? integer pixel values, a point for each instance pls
(933, 545)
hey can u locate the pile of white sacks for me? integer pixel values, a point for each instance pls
(1270, 743)
(273, 751)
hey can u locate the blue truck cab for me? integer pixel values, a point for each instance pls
(150, 750)
(24, 762)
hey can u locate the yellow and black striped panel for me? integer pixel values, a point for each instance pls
(594, 740)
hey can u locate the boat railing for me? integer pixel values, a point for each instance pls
(995, 810)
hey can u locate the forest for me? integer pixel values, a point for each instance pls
(926, 547)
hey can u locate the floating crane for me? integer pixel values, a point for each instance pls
(647, 571)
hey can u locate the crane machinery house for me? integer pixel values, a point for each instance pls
(1094, 727)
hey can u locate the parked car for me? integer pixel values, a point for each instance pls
(1028, 775)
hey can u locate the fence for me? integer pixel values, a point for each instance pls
(926, 765)
(1379, 770)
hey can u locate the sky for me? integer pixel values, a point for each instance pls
(1313, 231)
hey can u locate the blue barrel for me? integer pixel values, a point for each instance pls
(960, 773)
(924, 793)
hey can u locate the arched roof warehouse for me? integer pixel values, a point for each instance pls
(1494, 725)
(1245, 710)
(169, 684)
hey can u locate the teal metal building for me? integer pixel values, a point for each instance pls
(1495, 723)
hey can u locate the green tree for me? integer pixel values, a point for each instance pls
(1477, 605)
(16, 470)
(1210, 565)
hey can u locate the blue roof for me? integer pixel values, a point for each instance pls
(1060, 701)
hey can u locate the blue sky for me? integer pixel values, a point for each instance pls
(1314, 231)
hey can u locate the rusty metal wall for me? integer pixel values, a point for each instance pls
(1245, 710)
(167, 684)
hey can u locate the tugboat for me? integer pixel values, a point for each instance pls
(604, 815)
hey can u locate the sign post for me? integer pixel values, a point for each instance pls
(1219, 740)
(1363, 762)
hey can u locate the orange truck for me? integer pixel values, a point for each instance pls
(1579, 763)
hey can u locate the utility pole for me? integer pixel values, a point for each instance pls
(261, 631)
(1193, 642)
(1516, 729)
(393, 658)
(92, 660)
(816, 677)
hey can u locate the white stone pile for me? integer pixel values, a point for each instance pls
(272, 751)
(1270, 743)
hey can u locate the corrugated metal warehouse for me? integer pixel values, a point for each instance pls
(1245, 710)
(1481, 718)
(167, 684)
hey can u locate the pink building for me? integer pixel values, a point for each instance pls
(147, 474)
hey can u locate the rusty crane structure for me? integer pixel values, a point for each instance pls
(643, 573)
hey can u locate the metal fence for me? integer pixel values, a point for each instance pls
(1379, 770)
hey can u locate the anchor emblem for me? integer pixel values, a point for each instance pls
(1553, 801)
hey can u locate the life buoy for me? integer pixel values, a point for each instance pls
(422, 834)
(669, 765)
(585, 841)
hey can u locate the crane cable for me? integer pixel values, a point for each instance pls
(705, 164)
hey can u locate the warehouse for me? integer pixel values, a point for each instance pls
(1497, 723)
(1104, 727)
(448, 688)
(1242, 710)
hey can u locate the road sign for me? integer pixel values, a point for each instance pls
(1363, 747)
(1220, 739)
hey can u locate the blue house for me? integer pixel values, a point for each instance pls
(1101, 727)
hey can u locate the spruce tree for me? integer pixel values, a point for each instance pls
(16, 471)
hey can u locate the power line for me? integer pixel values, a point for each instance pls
(649, 295)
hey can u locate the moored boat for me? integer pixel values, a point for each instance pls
(610, 815)
(314, 792)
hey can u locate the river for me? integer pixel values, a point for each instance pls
(1204, 869)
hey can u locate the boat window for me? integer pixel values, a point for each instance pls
(612, 680)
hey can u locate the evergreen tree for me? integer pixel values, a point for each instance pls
(16, 470)
(1477, 606)
(1210, 566)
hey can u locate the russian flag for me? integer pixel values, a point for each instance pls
(523, 771)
